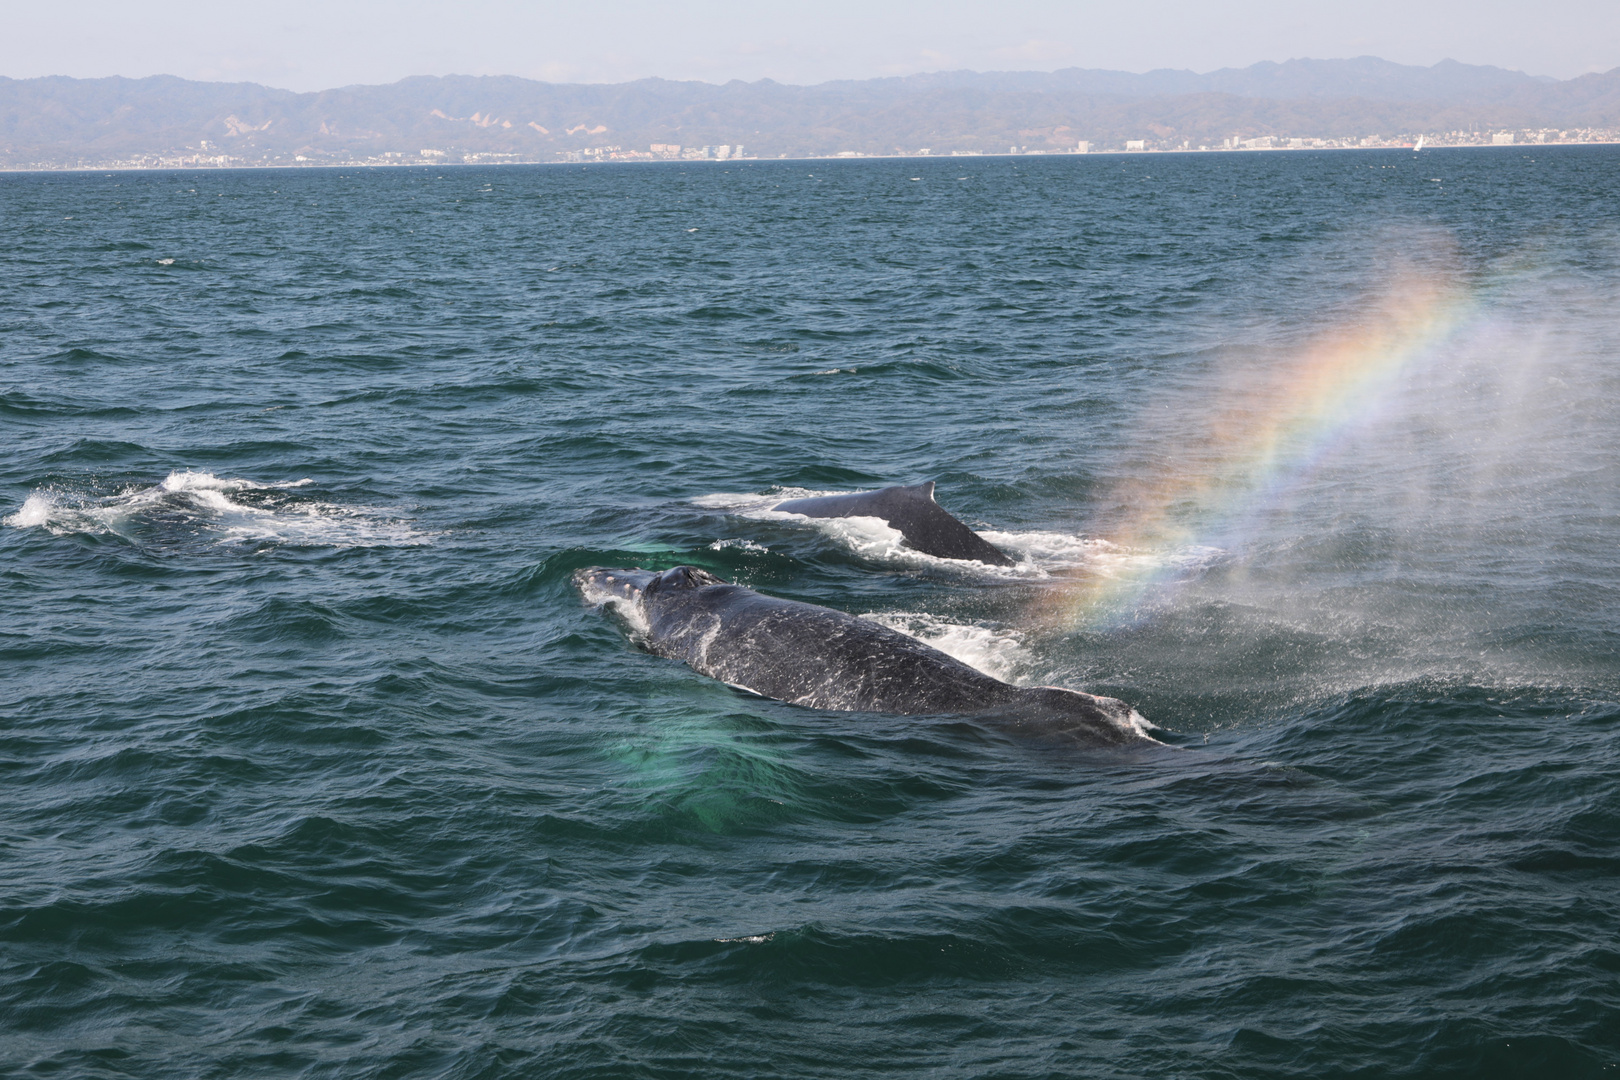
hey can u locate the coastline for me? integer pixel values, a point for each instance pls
(215, 166)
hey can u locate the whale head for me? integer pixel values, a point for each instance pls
(681, 577)
(633, 593)
(601, 585)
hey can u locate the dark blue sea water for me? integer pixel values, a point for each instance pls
(313, 761)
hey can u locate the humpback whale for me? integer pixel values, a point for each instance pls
(912, 510)
(826, 659)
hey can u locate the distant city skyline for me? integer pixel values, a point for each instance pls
(166, 122)
(301, 45)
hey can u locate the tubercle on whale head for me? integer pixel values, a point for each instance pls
(600, 584)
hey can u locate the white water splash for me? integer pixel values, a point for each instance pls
(1055, 551)
(35, 511)
(626, 605)
(201, 507)
(1036, 554)
(738, 544)
(996, 651)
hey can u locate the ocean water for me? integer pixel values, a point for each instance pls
(315, 764)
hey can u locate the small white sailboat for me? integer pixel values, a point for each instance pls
(1419, 145)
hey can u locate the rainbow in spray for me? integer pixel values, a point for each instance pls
(1258, 438)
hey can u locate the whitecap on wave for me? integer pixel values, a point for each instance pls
(198, 507)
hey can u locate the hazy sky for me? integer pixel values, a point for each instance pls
(308, 45)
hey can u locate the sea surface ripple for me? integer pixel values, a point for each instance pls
(316, 764)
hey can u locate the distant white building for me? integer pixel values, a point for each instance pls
(1082, 147)
(1502, 138)
(1136, 144)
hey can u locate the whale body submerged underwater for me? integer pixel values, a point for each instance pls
(827, 659)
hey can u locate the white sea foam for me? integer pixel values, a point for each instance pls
(870, 537)
(199, 507)
(737, 544)
(1036, 554)
(745, 503)
(187, 480)
(1142, 725)
(996, 651)
(627, 607)
(1067, 551)
(35, 511)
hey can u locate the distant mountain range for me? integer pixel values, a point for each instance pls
(63, 122)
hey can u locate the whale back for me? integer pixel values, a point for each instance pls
(806, 654)
(912, 511)
(1072, 715)
(823, 658)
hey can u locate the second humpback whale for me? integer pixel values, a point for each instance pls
(912, 510)
(826, 659)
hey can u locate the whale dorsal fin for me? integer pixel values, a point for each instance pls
(925, 489)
